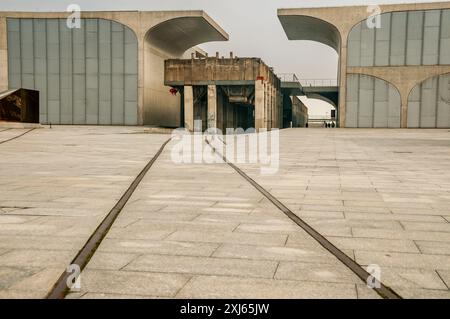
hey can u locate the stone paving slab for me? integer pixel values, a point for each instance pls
(394, 204)
(234, 246)
(56, 185)
(200, 230)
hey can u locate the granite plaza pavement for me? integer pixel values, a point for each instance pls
(202, 231)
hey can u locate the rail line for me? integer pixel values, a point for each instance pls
(15, 137)
(60, 288)
(383, 290)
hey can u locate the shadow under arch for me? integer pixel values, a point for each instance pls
(429, 103)
(167, 40)
(318, 96)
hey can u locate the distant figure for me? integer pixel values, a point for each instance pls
(306, 125)
(333, 125)
(324, 124)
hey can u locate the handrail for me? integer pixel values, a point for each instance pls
(318, 82)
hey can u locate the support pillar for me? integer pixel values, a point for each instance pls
(267, 106)
(259, 104)
(212, 107)
(189, 108)
(404, 111)
(3, 55)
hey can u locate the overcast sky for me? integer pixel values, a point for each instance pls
(253, 26)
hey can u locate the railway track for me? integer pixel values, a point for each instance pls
(60, 288)
(14, 137)
(382, 290)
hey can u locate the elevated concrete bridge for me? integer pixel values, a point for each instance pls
(321, 89)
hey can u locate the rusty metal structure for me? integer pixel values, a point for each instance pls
(19, 105)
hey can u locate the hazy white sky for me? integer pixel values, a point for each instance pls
(253, 26)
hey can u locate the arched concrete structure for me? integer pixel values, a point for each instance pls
(429, 103)
(304, 27)
(321, 97)
(344, 19)
(372, 102)
(196, 26)
(166, 40)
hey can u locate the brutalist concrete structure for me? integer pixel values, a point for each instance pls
(392, 74)
(226, 93)
(107, 71)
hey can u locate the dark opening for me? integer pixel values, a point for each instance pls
(21, 105)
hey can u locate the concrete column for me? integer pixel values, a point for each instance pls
(220, 106)
(404, 110)
(3, 55)
(189, 108)
(274, 123)
(280, 110)
(259, 104)
(342, 78)
(267, 95)
(212, 107)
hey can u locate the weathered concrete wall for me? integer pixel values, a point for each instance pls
(3, 55)
(299, 113)
(243, 83)
(204, 71)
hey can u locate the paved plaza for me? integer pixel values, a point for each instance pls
(202, 231)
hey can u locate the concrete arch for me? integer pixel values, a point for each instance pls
(316, 96)
(168, 39)
(175, 36)
(372, 102)
(429, 103)
(303, 27)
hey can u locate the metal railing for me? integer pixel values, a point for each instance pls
(288, 77)
(319, 82)
(292, 77)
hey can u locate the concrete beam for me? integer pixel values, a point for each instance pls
(189, 108)
(259, 105)
(212, 107)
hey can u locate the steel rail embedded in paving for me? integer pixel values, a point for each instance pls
(60, 289)
(15, 137)
(383, 290)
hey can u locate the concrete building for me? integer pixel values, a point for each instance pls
(108, 71)
(299, 112)
(295, 112)
(226, 93)
(393, 74)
